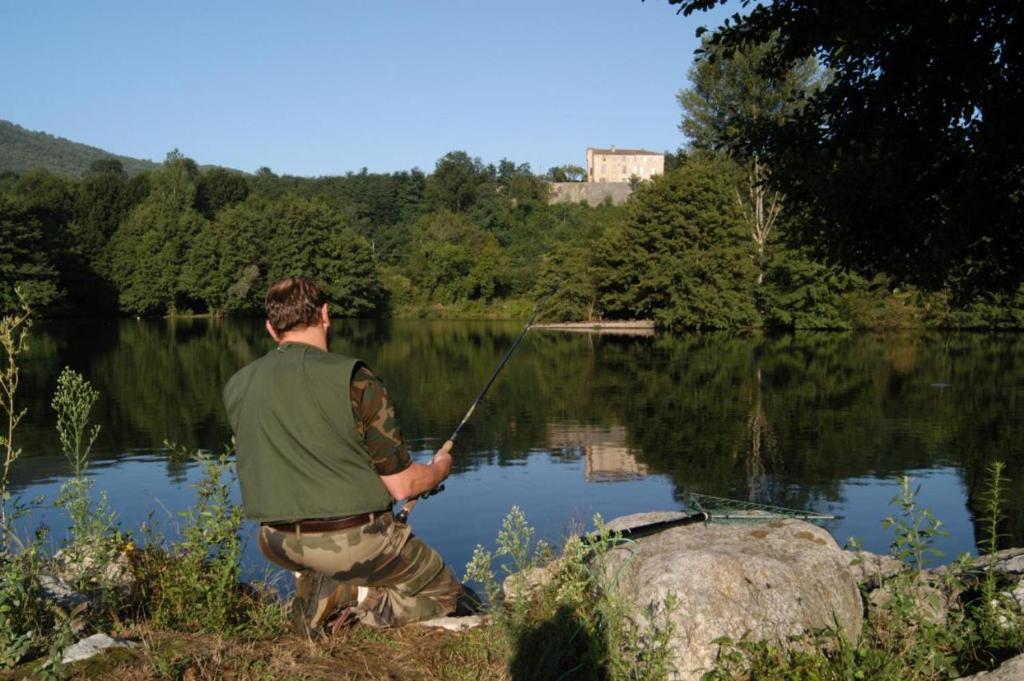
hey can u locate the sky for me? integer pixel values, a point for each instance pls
(321, 88)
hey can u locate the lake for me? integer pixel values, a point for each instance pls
(576, 424)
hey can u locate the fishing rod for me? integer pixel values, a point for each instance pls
(403, 515)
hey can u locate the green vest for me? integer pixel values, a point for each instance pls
(299, 452)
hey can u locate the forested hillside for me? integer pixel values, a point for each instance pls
(739, 233)
(468, 239)
(22, 150)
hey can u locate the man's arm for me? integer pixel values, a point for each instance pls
(375, 417)
(419, 478)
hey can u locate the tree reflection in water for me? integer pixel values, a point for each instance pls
(774, 419)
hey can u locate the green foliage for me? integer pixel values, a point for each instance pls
(730, 96)
(470, 239)
(94, 543)
(23, 612)
(560, 617)
(234, 260)
(26, 262)
(904, 160)
(566, 285)
(993, 501)
(14, 329)
(217, 189)
(73, 400)
(682, 257)
(193, 585)
(452, 259)
(458, 183)
(567, 173)
(916, 529)
(22, 150)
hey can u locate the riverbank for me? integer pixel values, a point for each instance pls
(583, 613)
(625, 327)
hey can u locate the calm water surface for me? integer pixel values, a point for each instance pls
(576, 424)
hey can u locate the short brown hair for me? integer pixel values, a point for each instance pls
(294, 302)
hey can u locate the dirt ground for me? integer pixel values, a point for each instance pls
(356, 653)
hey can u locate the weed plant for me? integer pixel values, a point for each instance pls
(14, 330)
(194, 585)
(23, 612)
(93, 557)
(566, 617)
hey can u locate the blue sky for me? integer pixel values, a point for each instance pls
(320, 88)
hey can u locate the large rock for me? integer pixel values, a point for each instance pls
(764, 581)
(872, 569)
(1011, 670)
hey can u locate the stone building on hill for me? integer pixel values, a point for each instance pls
(619, 165)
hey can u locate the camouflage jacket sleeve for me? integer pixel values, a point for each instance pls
(375, 419)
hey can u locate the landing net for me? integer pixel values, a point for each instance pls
(721, 509)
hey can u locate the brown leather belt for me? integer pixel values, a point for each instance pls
(323, 524)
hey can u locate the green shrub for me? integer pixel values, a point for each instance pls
(564, 619)
(194, 585)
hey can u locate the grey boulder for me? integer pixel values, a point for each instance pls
(762, 581)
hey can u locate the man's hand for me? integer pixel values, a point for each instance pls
(443, 459)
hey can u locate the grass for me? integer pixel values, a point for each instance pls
(409, 653)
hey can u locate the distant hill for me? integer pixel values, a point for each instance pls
(22, 149)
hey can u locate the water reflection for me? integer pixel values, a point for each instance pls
(788, 420)
(606, 457)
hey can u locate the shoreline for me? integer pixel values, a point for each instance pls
(631, 327)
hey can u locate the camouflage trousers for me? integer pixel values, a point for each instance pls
(408, 581)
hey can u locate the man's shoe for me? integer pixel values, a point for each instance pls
(316, 598)
(468, 604)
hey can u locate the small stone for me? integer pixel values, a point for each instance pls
(1015, 565)
(871, 569)
(1018, 594)
(92, 646)
(60, 592)
(454, 623)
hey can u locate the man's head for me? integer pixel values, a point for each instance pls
(296, 304)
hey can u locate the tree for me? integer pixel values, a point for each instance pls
(217, 189)
(101, 203)
(233, 260)
(106, 166)
(729, 99)
(567, 173)
(458, 182)
(40, 210)
(910, 159)
(682, 256)
(453, 260)
(25, 259)
(145, 255)
(566, 285)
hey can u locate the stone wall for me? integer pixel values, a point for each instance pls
(594, 193)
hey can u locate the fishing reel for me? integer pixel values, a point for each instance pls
(403, 515)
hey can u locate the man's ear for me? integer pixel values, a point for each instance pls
(273, 334)
(325, 317)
